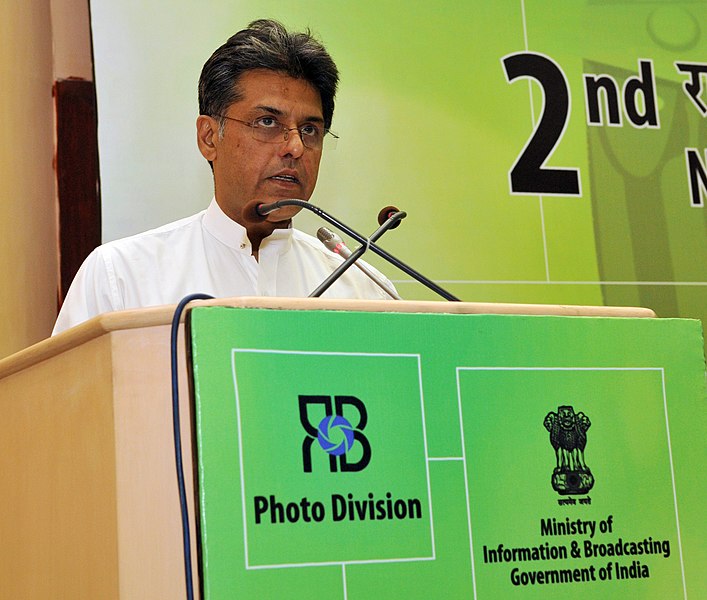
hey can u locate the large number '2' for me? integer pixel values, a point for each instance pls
(529, 175)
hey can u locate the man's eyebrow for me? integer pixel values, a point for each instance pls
(270, 109)
(278, 113)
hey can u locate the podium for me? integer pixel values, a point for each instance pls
(89, 496)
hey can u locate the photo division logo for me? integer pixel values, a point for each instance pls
(336, 436)
(335, 433)
(568, 436)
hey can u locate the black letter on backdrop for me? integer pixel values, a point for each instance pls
(697, 176)
(593, 87)
(528, 175)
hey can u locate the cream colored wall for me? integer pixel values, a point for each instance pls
(72, 39)
(40, 41)
(28, 247)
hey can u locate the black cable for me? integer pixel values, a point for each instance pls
(186, 538)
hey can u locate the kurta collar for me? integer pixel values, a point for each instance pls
(235, 236)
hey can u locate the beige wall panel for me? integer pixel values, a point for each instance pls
(28, 255)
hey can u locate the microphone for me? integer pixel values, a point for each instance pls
(255, 212)
(356, 254)
(252, 212)
(386, 213)
(334, 243)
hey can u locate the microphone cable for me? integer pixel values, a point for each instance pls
(186, 538)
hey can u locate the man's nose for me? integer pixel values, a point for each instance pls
(292, 146)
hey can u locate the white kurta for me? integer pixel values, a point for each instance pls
(207, 253)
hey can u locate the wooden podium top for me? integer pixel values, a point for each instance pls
(162, 315)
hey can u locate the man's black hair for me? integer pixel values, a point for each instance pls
(266, 44)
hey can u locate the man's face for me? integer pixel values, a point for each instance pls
(246, 169)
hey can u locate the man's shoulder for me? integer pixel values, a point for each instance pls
(157, 236)
(309, 241)
(310, 246)
(303, 237)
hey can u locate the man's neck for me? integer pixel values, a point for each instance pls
(259, 231)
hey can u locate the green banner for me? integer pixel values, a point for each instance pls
(370, 455)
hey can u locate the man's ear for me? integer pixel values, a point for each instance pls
(206, 136)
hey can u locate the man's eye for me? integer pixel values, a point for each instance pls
(309, 130)
(266, 122)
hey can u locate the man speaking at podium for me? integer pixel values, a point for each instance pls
(266, 101)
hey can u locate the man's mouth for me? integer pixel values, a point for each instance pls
(285, 178)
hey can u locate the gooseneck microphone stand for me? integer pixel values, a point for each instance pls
(389, 223)
(261, 210)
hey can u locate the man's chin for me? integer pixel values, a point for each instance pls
(283, 215)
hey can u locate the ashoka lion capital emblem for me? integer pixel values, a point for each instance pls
(568, 436)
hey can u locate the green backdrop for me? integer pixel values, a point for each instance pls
(430, 122)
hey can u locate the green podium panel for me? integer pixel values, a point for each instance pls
(360, 455)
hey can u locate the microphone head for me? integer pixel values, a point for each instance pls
(328, 238)
(324, 235)
(257, 211)
(251, 213)
(386, 213)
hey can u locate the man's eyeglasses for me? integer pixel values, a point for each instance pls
(269, 130)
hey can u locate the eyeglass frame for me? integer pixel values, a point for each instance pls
(285, 131)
